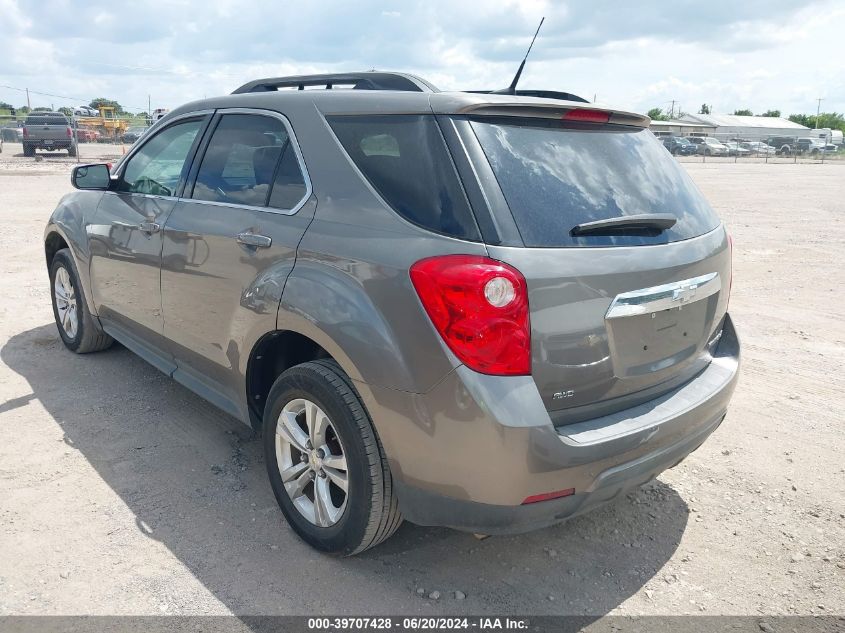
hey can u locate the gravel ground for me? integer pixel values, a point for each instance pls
(123, 493)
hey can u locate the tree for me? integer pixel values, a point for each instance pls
(6, 106)
(705, 109)
(833, 120)
(745, 112)
(68, 112)
(102, 101)
(774, 113)
(656, 114)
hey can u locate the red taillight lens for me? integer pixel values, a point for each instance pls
(548, 496)
(586, 116)
(69, 133)
(25, 133)
(480, 308)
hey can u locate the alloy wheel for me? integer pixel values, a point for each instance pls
(312, 463)
(66, 303)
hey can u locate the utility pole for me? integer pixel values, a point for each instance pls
(28, 105)
(149, 106)
(672, 110)
(818, 110)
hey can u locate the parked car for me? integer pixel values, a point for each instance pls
(736, 149)
(12, 132)
(758, 148)
(678, 145)
(418, 334)
(132, 134)
(709, 146)
(85, 111)
(47, 130)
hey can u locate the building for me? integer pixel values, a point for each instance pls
(674, 127)
(752, 128)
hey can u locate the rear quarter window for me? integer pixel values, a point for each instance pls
(555, 177)
(405, 159)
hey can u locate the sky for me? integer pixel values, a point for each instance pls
(756, 54)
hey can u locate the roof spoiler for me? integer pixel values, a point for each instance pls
(372, 80)
(572, 113)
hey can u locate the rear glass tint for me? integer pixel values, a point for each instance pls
(406, 160)
(40, 119)
(556, 177)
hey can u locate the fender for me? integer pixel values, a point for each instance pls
(72, 222)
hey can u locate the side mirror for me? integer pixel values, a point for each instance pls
(91, 177)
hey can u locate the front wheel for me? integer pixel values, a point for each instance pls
(76, 325)
(325, 462)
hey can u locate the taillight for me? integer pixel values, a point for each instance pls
(480, 308)
(25, 133)
(69, 133)
(586, 116)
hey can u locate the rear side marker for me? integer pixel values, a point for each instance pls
(548, 496)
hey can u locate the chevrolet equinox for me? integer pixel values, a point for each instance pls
(484, 311)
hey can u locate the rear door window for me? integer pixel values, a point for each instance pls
(555, 177)
(405, 158)
(250, 160)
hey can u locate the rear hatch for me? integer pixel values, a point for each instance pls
(618, 313)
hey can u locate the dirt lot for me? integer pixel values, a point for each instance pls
(121, 492)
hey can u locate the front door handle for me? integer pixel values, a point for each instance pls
(253, 239)
(149, 227)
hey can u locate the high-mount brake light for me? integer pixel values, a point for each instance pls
(479, 306)
(585, 115)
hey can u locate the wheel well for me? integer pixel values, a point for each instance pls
(272, 355)
(52, 245)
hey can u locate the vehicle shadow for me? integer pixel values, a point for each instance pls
(194, 479)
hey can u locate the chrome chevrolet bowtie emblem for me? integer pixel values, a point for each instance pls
(684, 294)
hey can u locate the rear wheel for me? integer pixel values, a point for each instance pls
(326, 464)
(76, 325)
(71, 151)
(28, 149)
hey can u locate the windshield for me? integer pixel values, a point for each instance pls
(555, 177)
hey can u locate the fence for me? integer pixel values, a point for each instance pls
(761, 148)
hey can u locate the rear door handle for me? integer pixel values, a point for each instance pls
(253, 239)
(149, 227)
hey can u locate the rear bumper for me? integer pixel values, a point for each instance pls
(466, 454)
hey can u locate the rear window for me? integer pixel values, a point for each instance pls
(404, 157)
(555, 177)
(40, 119)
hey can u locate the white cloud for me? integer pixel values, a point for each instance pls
(760, 54)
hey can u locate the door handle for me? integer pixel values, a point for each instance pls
(253, 239)
(149, 227)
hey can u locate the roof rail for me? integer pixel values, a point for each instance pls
(371, 80)
(545, 94)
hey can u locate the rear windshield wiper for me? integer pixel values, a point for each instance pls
(646, 223)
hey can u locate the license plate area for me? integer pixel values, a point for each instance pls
(658, 341)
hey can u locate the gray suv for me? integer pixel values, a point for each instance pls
(484, 311)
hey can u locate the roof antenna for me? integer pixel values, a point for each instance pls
(511, 90)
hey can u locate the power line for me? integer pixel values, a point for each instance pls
(55, 96)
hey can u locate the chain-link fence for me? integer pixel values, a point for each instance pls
(752, 147)
(93, 134)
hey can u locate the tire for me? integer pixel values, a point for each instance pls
(71, 151)
(369, 513)
(76, 326)
(28, 150)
